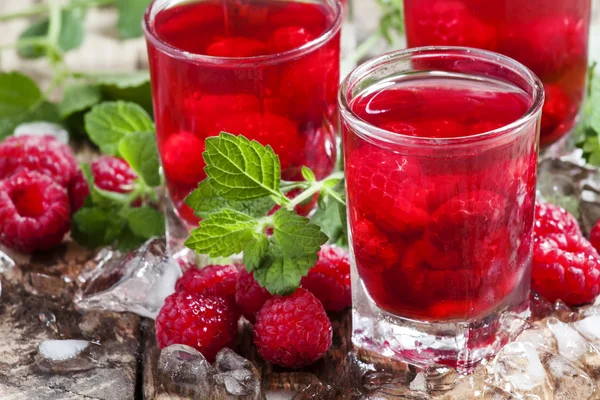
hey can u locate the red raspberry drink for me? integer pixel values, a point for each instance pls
(266, 69)
(548, 36)
(441, 168)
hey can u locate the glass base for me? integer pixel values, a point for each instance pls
(461, 345)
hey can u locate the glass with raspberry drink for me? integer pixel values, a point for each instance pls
(440, 154)
(548, 36)
(266, 69)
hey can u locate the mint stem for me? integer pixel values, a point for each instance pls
(313, 189)
(43, 9)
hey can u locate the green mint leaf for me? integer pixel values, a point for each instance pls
(279, 274)
(223, 234)
(128, 240)
(140, 151)
(594, 105)
(331, 219)
(308, 174)
(94, 227)
(70, 37)
(205, 201)
(78, 98)
(241, 169)
(131, 13)
(255, 251)
(296, 235)
(146, 222)
(109, 122)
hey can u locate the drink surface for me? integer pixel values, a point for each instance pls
(441, 233)
(288, 102)
(548, 36)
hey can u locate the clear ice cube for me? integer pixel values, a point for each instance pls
(589, 328)
(64, 356)
(183, 370)
(138, 282)
(569, 381)
(238, 376)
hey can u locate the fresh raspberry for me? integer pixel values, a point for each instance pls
(292, 331)
(329, 279)
(78, 191)
(566, 267)
(550, 218)
(44, 154)
(595, 236)
(267, 129)
(249, 295)
(237, 47)
(113, 174)
(450, 23)
(34, 212)
(206, 323)
(288, 38)
(215, 280)
(556, 111)
(182, 158)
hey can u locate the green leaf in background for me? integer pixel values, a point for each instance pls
(71, 33)
(205, 201)
(140, 151)
(95, 227)
(331, 219)
(594, 105)
(121, 80)
(146, 222)
(392, 19)
(109, 122)
(296, 235)
(255, 251)
(223, 234)
(22, 101)
(131, 13)
(78, 98)
(241, 169)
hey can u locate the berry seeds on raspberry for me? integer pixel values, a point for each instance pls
(292, 331)
(249, 295)
(216, 280)
(34, 212)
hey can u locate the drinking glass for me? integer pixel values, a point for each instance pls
(440, 150)
(548, 36)
(266, 69)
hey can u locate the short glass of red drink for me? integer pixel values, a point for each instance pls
(266, 69)
(440, 150)
(548, 36)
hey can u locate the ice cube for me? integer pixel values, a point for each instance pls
(138, 282)
(42, 128)
(6, 262)
(518, 370)
(183, 370)
(238, 376)
(571, 344)
(569, 381)
(589, 328)
(541, 337)
(63, 356)
(440, 378)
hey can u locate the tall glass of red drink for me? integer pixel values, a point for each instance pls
(266, 69)
(548, 36)
(440, 149)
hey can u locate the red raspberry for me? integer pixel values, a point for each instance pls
(550, 218)
(372, 248)
(205, 323)
(113, 174)
(288, 38)
(205, 111)
(44, 154)
(566, 267)
(78, 191)
(329, 279)
(466, 218)
(292, 331)
(267, 129)
(249, 295)
(595, 236)
(182, 158)
(34, 212)
(237, 47)
(450, 23)
(214, 280)
(556, 111)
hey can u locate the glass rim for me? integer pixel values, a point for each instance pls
(367, 129)
(265, 59)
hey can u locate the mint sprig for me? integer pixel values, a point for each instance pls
(589, 129)
(243, 183)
